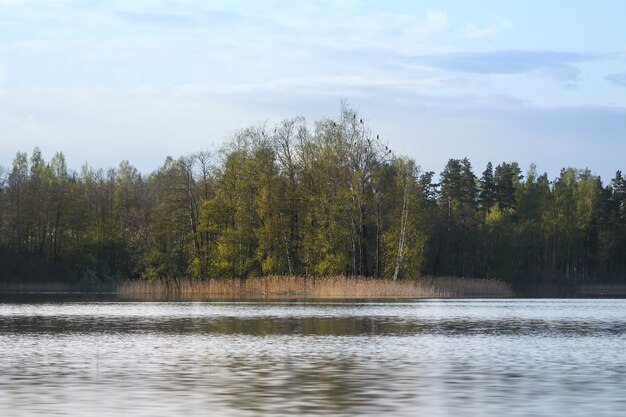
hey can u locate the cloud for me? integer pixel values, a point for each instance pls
(558, 65)
(155, 18)
(436, 21)
(111, 80)
(144, 125)
(111, 43)
(617, 79)
(471, 30)
(339, 86)
(432, 129)
(103, 126)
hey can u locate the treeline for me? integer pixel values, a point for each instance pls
(320, 200)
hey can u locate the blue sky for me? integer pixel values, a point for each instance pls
(102, 81)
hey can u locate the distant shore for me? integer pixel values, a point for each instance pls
(280, 287)
(284, 287)
(331, 287)
(297, 287)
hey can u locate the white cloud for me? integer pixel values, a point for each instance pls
(472, 30)
(436, 21)
(144, 125)
(432, 129)
(338, 86)
(104, 126)
(73, 74)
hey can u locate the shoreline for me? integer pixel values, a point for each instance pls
(340, 287)
(280, 288)
(309, 288)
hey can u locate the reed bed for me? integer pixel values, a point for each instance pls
(309, 287)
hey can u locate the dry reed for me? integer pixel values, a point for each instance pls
(310, 287)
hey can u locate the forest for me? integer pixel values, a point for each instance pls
(322, 199)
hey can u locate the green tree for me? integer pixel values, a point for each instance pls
(506, 179)
(404, 238)
(487, 195)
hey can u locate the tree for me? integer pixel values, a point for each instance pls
(322, 199)
(505, 180)
(18, 180)
(404, 238)
(3, 206)
(59, 196)
(487, 196)
(534, 199)
(618, 187)
(457, 249)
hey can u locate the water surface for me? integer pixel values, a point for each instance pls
(436, 358)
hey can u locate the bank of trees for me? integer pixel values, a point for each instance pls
(527, 228)
(300, 199)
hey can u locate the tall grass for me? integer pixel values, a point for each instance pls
(331, 287)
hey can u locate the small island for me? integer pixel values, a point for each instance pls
(291, 205)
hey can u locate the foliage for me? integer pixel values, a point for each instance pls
(312, 200)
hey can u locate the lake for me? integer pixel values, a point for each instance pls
(435, 358)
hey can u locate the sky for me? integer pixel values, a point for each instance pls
(105, 81)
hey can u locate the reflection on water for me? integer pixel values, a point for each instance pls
(512, 357)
